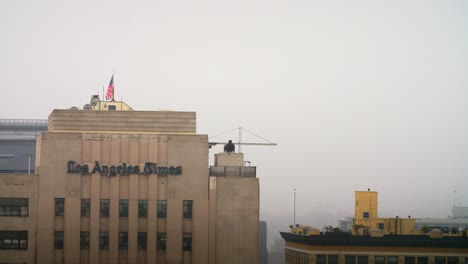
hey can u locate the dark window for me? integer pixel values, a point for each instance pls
(452, 260)
(85, 207)
(84, 240)
(13, 239)
(365, 214)
(392, 260)
(123, 240)
(381, 226)
(104, 240)
(104, 210)
(161, 242)
(162, 208)
(410, 260)
(141, 241)
(187, 242)
(188, 208)
(423, 260)
(350, 259)
(332, 259)
(111, 107)
(379, 260)
(14, 206)
(123, 208)
(142, 208)
(363, 259)
(59, 206)
(439, 260)
(58, 239)
(321, 259)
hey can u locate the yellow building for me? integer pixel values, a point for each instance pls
(129, 187)
(374, 240)
(367, 220)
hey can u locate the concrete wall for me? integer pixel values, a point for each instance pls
(188, 151)
(234, 215)
(20, 186)
(123, 121)
(237, 217)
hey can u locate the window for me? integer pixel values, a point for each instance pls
(162, 208)
(141, 241)
(410, 260)
(332, 259)
(362, 259)
(104, 208)
(350, 259)
(123, 208)
(381, 226)
(188, 208)
(14, 206)
(13, 239)
(161, 242)
(84, 240)
(59, 206)
(123, 240)
(439, 260)
(85, 207)
(321, 259)
(365, 214)
(423, 260)
(104, 240)
(392, 260)
(142, 208)
(58, 239)
(187, 242)
(452, 260)
(111, 107)
(379, 260)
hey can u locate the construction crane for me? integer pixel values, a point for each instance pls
(240, 143)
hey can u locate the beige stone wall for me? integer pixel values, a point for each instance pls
(123, 121)
(20, 186)
(234, 218)
(229, 159)
(188, 151)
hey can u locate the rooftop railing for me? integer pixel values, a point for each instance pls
(233, 171)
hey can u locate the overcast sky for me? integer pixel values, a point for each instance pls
(357, 94)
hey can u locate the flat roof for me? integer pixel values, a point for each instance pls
(385, 241)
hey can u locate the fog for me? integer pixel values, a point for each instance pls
(357, 94)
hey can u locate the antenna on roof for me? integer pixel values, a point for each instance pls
(240, 143)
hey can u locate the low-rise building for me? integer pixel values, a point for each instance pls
(375, 240)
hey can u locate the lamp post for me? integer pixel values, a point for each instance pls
(294, 207)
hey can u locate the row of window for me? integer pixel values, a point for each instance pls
(123, 208)
(298, 257)
(123, 241)
(13, 239)
(14, 206)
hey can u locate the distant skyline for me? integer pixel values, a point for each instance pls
(357, 94)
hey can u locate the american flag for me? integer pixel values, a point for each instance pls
(110, 89)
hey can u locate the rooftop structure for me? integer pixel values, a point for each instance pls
(18, 144)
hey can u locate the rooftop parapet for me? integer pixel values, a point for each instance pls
(123, 121)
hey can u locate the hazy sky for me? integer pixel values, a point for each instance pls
(357, 94)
